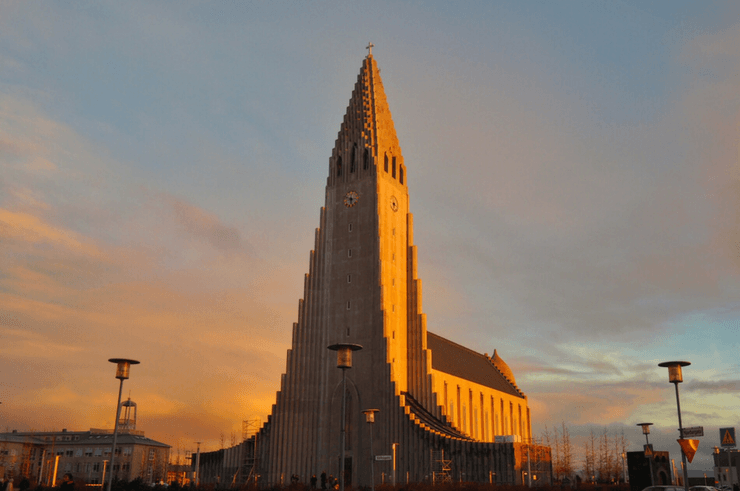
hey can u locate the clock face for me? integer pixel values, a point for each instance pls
(350, 199)
(394, 203)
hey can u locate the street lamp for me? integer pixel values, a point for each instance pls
(122, 370)
(624, 469)
(676, 377)
(370, 419)
(344, 361)
(646, 432)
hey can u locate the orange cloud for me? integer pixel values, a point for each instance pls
(27, 228)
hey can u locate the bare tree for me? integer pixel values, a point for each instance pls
(620, 447)
(556, 460)
(567, 452)
(589, 457)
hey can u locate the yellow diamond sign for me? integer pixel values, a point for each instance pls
(689, 447)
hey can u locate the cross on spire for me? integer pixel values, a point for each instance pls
(369, 49)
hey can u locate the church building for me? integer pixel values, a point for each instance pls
(445, 412)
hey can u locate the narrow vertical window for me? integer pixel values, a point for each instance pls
(493, 419)
(482, 418)
(366, 159)
(385, 163)
(350, 227)
(353, 162)
(348, 304)
(393, 167)
(445, 394)
(511, 418)
(339, 166)
(349, 278)
(521, 429)
(349, 252)
(459, 416)
(348, 331)
(503, 418)
(400, 174)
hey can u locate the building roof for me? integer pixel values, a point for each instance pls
(459, 361)
(99, 437)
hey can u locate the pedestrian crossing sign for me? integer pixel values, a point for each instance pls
(727, 437)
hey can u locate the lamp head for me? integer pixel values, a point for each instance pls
(124, 365)
(370, 415)
(674, 370)
(645, 428)
(344, 353)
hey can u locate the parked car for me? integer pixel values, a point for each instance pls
(702, 488)
(664, 488)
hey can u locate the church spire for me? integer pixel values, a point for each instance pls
(367, 140)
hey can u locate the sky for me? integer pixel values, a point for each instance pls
(573, 170)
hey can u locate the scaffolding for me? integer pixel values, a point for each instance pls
(441, 467)
(250, 427)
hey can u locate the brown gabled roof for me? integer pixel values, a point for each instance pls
(449, 357)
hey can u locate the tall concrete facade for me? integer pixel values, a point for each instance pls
(452, 412)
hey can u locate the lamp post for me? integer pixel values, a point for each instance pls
(197, 465)
(105, 463)
(676, 377)
(624, 469)
(646, 432)
(122, 369)
(370, 419)
(344, 361)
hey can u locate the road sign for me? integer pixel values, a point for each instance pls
(693, 431)
(689, 447)
(384, 457)
(727, 437)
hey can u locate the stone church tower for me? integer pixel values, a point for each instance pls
(437, 400)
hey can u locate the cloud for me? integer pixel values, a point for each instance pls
(32, 230)
(204, 226)
(714, 386)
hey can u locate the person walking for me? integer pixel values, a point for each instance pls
(68, 484)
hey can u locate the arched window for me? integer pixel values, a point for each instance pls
(366, 159)
(385, 163)
(393, 167)
(339, 166)
(353, 162)
(400, 174)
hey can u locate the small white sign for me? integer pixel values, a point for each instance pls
(693, 431)
(384, 457)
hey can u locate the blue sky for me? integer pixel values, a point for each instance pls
(573, 169)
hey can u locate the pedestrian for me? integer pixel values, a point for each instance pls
(68, 483)
(323, 480)
(313, 481)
